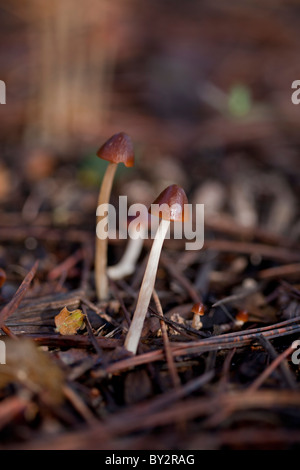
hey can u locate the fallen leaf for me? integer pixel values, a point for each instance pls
(68, 323)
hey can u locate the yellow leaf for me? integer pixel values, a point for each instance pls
(68, 323)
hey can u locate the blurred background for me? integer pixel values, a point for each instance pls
(202, 87)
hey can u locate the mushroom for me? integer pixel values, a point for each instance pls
(169, 206)
(127, 264)
(241, 317)
(118, 149)
(198, 311)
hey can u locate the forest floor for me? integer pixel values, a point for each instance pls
(228, 385)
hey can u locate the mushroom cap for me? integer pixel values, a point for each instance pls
(118, 149)
(175, 198)
(198, 309)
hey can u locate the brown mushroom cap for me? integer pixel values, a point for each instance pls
(118, 149)
(198, 309)
(242, 316)
(175, 198)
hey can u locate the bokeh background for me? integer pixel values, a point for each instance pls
(202, 87)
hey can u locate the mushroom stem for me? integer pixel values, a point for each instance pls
(127, 263)
(198, 311)
(196, 323)
(101, 280)
(135, 330)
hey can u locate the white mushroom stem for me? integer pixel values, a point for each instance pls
(135, 330)
(197, 323)
(127, 264)
(101, 280)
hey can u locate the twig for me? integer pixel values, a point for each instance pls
(188, 286)
(169, 357)
(66, 265)
(79, 404)
(115, 291)
(288, 270)
(231, 298)
(228, 341)
(286, 373)
(268, 371)
(76, 341)
(9, 309)
(188, 331)
(8, 332)
(226, 370)
(91, 334)
(100, 312)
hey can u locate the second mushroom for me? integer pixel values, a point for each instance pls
(169, 206)
(118, 149)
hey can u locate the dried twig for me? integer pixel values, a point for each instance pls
(267, 372)
(286, 373)
(9, 309)
(169, 357)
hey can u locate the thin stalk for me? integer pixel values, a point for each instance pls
(135, 330)
(101, 280)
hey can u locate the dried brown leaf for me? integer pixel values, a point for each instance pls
(69, 322)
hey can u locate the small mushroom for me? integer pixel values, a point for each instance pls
(118, 149)
(2, 277)
(198, 311)
(241, 317)
(169, 206)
